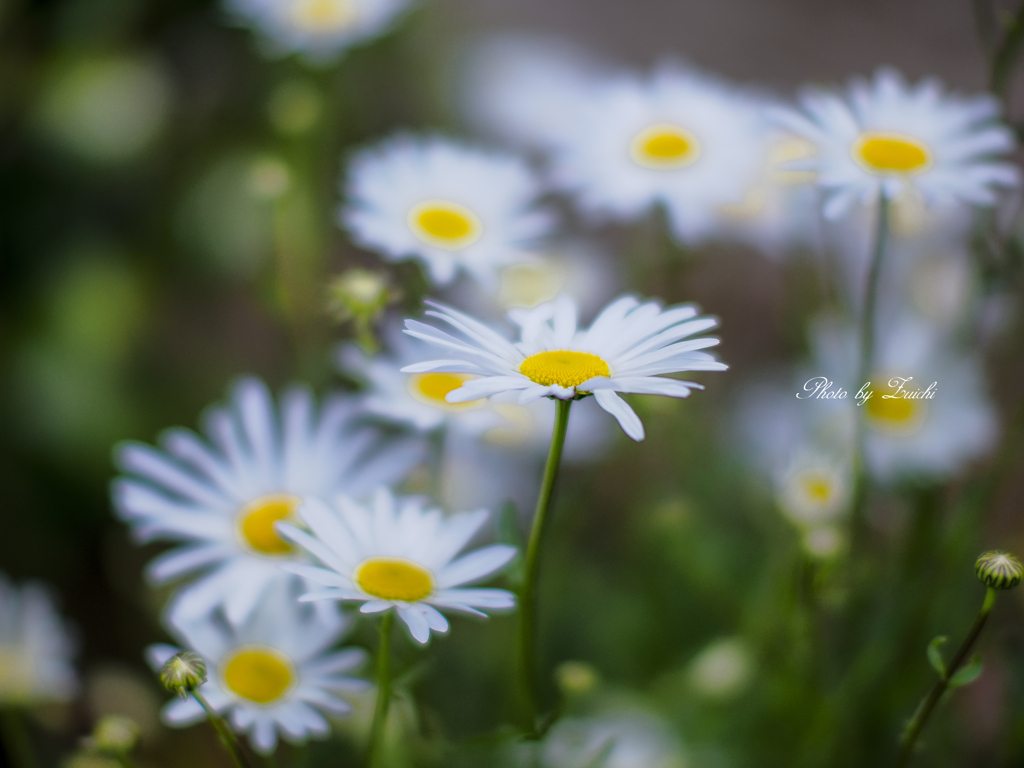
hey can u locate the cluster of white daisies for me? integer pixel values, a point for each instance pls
(283, 511)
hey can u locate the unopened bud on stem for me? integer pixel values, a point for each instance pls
(999, 570)
(183, 673)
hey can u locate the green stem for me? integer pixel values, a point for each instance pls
(380, 711)
(528, 591)
(17, 742)
(1006, 54)
(924, 711)
(867, 352)
(227, 736)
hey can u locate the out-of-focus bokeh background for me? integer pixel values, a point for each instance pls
(167, 223)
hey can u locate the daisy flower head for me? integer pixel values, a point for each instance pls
(394, 553)
(626, 349)
(220, 496)
(36, 646)
(928, 415)
(274, 673)
(451, 206)
(678, 138)
(320, 30)
(888, 137)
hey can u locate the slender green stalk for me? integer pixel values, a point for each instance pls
(17, 742)
(380, 711)
(867, 352)
(1006, 54)
(227, 736)
(528, 591)
(924, 711)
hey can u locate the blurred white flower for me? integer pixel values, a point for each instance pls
(626, 349)
(885, 136)
(722, 669)
(36, 646)
(910, 436)
(106, 109)
(452, 206)
(395, 554)
(525, 89)
(678, 138)
(413, 399)
(320, 30)
(222, 497)
(778, 213)
(272, 673)
(626, 739)
(815, 489)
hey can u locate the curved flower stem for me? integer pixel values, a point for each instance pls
(528, 590)
(867, 347)
(380, 711)
(17, 743)
(927, 706)
(227, 736)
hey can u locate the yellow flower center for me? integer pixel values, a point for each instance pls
(323, 16)
(563, 367)
(392, 578)
(893, 414)
(258, 673)
(664, 147)
(431, 388)
(445, 224)
(255, 523)
(817, 487)
(891, 153)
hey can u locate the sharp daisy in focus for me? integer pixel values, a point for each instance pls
(887, 137)
(273, 673)
(319, 30)
(627, 349)
(395, 554)
(452, 206)
(221, 496)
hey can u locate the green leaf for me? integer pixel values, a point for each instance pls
(935, 655)
(968, 673)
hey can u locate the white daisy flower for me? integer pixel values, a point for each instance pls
(677, 138)
(222, 496)
(932, 436)
(273, 673)
(886, 136)
(816, 489)
(452, 206)
(36, 646)
(626, 349)
(395, 554)
(414, 400)
(320, 30)
(618, 738)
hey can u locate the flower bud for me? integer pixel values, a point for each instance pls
(358, 293)
(183, 673)
(116, 733)
(999, 570)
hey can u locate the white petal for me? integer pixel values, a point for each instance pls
(623, 414)
(476, 565)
